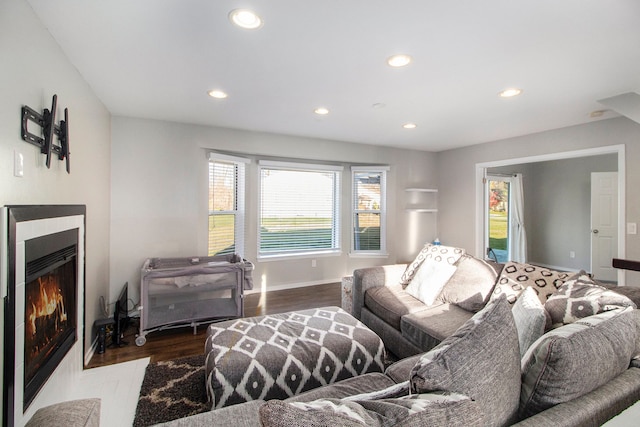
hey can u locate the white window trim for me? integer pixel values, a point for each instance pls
(271, 164)
(382, 253)
(239, 212)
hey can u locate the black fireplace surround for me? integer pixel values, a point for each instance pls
(51, 293)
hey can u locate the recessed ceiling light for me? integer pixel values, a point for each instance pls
(508, 93)
(597, 113)
(409, 125)
(321, 111)
(245, 18)
(399, 60)
(217, 94)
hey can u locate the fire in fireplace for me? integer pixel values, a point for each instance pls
(50, 306)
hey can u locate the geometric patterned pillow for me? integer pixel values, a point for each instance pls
(580, 298)
(435, 253)
(516, 276)
(415, 410)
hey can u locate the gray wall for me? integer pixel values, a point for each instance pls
(557, 204)
(159, 198)
(33, 69)
(456, 174)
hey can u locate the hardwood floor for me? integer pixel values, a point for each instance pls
(181, 342)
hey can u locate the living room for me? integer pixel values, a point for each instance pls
(143, 179)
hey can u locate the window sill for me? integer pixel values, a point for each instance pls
(368, 255)
(291, 257)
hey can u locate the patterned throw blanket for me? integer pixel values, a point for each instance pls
(282, 355)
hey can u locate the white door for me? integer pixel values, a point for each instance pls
(604, 224)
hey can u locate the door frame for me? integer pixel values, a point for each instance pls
(481, 171)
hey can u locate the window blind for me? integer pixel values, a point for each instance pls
(299, 209)
(226, 205)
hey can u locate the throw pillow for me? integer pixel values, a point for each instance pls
(437, 253)
(530, 317)
(515, 277)
(429, 280)
(581, 297)
(481, 360)
(573, 360)
(410, 411)
(471, 285)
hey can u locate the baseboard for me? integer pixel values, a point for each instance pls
(257, 289)
(554, 267)
(92, 350)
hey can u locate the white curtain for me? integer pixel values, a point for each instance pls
(517, 233)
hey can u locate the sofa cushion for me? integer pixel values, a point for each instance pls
(241, 415)
(427, 327)
(480, 360)
(390, 303)
(448, 409)
(436, 252)
(401, 370)
(472, 283)
(530, 317)
(429, 280)
(516, 276)
(570, 361)
(361, 384)
(73, 413)
(582, 297)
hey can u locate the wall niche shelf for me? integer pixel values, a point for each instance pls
(422, 200)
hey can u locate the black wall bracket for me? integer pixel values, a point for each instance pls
(46, 121)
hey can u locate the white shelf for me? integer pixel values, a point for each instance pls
(418, 209)
(419, 203)
(422, 190)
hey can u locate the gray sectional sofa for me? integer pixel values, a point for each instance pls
(462, 357)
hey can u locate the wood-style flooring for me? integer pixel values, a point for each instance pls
(181, 342)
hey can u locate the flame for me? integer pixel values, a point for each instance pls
(48, 302)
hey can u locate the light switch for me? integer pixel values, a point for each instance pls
(632, 228)
(18, 164)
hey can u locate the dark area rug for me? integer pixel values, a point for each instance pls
(171, 390)
(176, 389)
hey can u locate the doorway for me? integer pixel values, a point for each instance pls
(544, 239)
(505, 235)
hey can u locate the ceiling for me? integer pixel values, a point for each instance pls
(158, 59)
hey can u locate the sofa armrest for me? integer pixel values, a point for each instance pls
(594, 408)
(366, 278)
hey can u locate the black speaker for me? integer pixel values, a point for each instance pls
(102, 339)
(101, 327)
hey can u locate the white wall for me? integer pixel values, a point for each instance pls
(33, 69)
(456, 174)
(159, 197)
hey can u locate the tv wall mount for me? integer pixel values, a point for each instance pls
(46, 121)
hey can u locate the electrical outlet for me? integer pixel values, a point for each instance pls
(632, 228)
(572, 254)
(313, 263)
(18, 164)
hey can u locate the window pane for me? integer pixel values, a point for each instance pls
(222, 188)
(298, 211)
(367, 190)
(226, 207)
(221, 234)
(499, 219)
(368, 194)
(367, 232)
